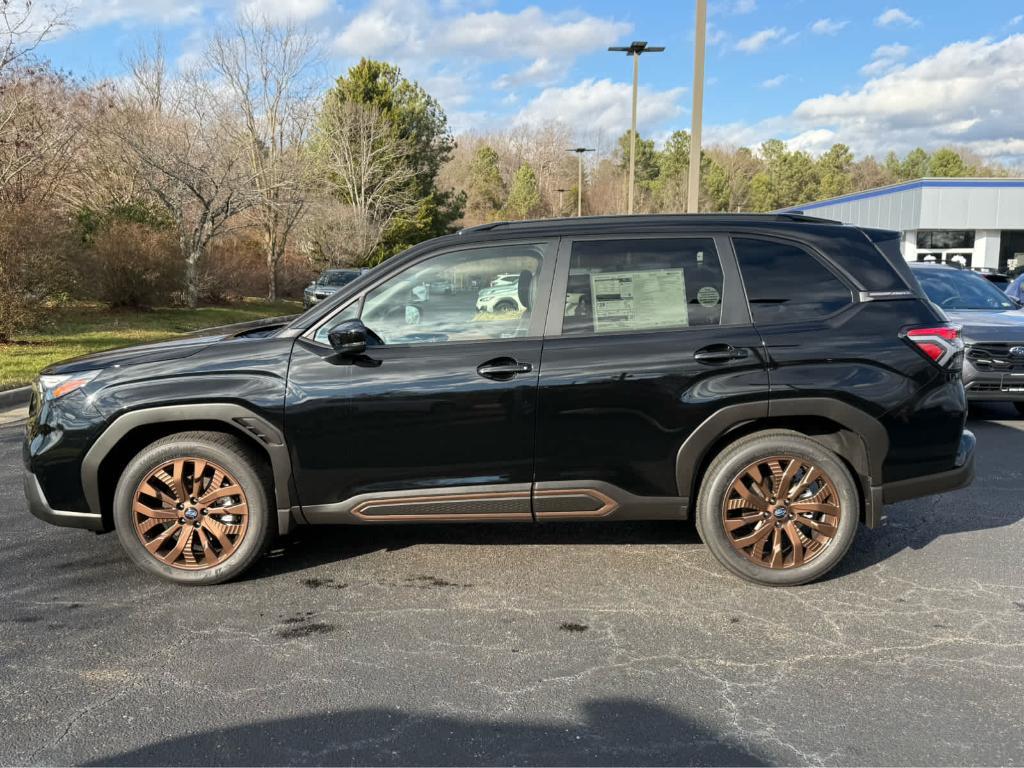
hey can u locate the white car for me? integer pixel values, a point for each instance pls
(500, 299)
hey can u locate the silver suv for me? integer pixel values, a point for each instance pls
(992, 327)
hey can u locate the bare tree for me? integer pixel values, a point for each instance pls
(24, 25)
(39, 136)
(266, 68)
(367, 168)
(189, 159)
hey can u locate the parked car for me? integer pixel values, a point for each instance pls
(992, 328)
(328, 284)
(501, 298)
(776, 378)
(998, 279)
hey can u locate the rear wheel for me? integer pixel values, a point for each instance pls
(1019, 405)
(778, 508)
(194, 508)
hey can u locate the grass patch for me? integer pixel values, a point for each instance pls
(84, 328)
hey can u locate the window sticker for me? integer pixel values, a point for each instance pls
(625, 301)
(708, 296)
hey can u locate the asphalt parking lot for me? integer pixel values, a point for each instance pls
(564, 644)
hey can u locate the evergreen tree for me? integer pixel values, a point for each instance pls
(946, 162)
(524, 200)
(914, 165)
(420, 122)
(834, 171)
(486, 190)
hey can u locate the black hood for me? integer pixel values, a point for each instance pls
(166, 350)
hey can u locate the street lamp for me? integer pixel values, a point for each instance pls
(634, 49)
(693, 187)
(580, 151)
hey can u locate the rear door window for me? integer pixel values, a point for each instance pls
(642, 285)
(786, 284)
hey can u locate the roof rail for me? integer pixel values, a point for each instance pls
(661, 218)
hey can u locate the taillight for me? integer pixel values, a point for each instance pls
(941, 344)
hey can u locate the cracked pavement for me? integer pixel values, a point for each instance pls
(563, 644)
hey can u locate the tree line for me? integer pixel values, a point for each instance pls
(527, 172)
(238, 173)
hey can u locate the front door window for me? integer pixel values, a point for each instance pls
(466, 295)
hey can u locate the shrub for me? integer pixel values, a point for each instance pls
(133, 265)
(34, 248)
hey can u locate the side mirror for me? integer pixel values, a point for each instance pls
(349, 337)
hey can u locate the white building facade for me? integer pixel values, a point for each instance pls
(977, 223)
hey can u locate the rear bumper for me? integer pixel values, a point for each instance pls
(960, 476)
(40, 507)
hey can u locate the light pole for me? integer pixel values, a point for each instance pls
(580, 151)
(634, 49)
(693, 188)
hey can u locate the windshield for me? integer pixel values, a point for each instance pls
(959, 289)
(338, 278)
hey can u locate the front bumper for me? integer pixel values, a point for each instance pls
(1004, 381)
(40, 507)
(960, 476)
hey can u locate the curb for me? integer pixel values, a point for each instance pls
(14, 398)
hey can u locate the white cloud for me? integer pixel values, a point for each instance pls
(386, 27)
(827, 26)
(94, 13)
(413, 28)
(758, 40)
(815, 141)
(884, 59)
(774, 82)
(601, 106)
(542, 71)
(964, 94)
(282, 10)
(1016, 20)
(896, 16)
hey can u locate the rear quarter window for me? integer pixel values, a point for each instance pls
(786, 284)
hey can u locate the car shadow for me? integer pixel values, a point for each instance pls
(309, 546)
(911, 525)
(614, 732)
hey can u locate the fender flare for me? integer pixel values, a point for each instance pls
(236, 417)
(694, 449)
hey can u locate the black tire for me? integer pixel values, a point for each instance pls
(505, 306)
(230, 453)
(727, 467)
(1019, 405)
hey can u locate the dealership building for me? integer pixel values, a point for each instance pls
(977, 223)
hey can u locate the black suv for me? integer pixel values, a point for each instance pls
(775, 377)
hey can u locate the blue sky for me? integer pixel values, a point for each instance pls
(875, 74)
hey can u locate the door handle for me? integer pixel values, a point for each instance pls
(503, 368)
(720, 353)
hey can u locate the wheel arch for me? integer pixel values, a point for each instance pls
(130, 432)
(859, 440)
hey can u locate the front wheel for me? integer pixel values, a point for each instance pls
(1019, 405)
(194, 508)
(778, 508)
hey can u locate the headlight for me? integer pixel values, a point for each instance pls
(64, 384)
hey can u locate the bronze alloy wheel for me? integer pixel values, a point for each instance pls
(189, 513)
(781, 512)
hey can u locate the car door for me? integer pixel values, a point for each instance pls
(647, 336)
(438, 420)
